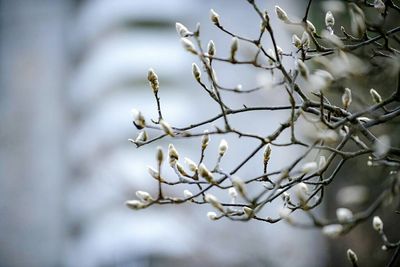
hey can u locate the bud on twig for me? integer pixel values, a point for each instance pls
(223, 147)
(139, 119)
(205, 140)
(311, 27)
(376, 97)
(234, 48)
(196, 72)
(377, 224)
(332, 230)
(267, 153)
(205, 173)
(211, 48)
(191, 164)
(344, 215)
(135, 204)
(173, 154)
(153, 80)
(281, 14)
(154, 173)
(305, 40)
(213, 200)
(346, 98)
(249, 212)
(144, 196)
(182, 30)
(166, 128)
(329, 19)
(187, 193)
(240, 186)
(212, 215)
(309, 167)
(188, 45)
(159, 155)
(214, 17)
(142, 137)
(232, 192)
(296, 41)
(322, 162)
(352, 257)
(180, 169)
(304, 72)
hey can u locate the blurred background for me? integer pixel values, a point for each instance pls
(70, 72)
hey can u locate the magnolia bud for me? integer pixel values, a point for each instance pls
(332, 230)
(213, 200)
(212, 215)
(214, 17)
(153, 80)
(159, 155)
(346, 98)
(196, 72)
(142, 137)
(167, 128)
(302, 68)
(182, 30)
(191, 164)
(322, 162)
(282, 15)
(301, 191)
(239, 185)
(187, 193)
(284, 213)
(188, 45)
(211, 48)
(135, 204)
(232, 192)
(180, 169)
(305, 40)
(173, 154)
(205, 173)
(248, 211)
(311, 27)
(352, 257)
(344, 215)
(296, 41)
(377, 224)
(375, 96)
(205, 140)
(223, 147)
(139, 119)
(144, 196)
(329, 19)
(154, 173)
(267, 153)
(309, 167)
(234, 47)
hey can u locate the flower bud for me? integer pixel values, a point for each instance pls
(332, 230)
(301, 191)
(239, 185)
(249, 212)
(284, 213)
(144, 196)
(305, 40)
(154, 173)
(211, 48)
(296, 41)
(212, 215)
(173, 154)
(167, 128)
(376, 97)
(311, 27)
(214, 17)
(205, 140)
(322, 162)
(139, 119)
(377, 224)
(304, 72)
(223, 147)
(281, 14)
(344, 215)
(187, 193)
(159, 155)
(196, 72)
(346, 98)
(153, 80)
(352, 257)
(232, 192)
(234, 48)
(309, 167)
(267, 153)
(188, 45)
(182, 30)
(191, 164)
(180, 169)
(142, 137)
(135, 204)
(329, 19)
(213, 200)
(205, 173)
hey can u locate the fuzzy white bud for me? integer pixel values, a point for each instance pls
(187, 193)
(309, 167)
(188, 45)
(142, 137)
(214, 17)
(377, 224)
(234, 48)
(311, 27)
(159, 155)
(296, 41)
(281, 14)
(144, 196)
(167, 128)
(212, 215)
(376, 97)
(305, 40)
(205, 140)
(205, 173)
(154, 173)
(182, 30)
(352, 257)
(267, 153)
(172, 154)
(223, 147)
(332, 230)
(213, 200)
(301, 191)
(153, 80)
(303, 69)
(180, 169)
(249, 212)
(344, 215)
(139, 119)
(346, 98)
(135, 204)
(232, 192)
(284, 213)
(196, 72)
(239, 185)
(329, 19)
(211, 48)
(191, 164)
(322, 162)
